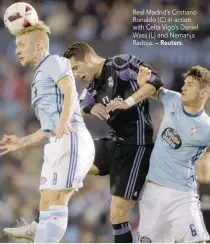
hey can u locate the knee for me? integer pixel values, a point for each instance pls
(119, 214)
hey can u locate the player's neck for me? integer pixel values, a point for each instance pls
(99, 66)
(193, 109)
(39, 58)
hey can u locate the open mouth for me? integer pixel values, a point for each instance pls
(21, 59)
(83, 77)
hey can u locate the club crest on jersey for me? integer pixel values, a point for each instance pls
(193, 131)
(110, 82)
(173, 113)
(171, 139)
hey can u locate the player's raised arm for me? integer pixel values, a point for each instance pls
(144, 76)
(163, 95)
(146, 88)
(149, 82)
(13, 143)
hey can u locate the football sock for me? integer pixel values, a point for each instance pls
(56, 224)
(122, 233)
(37, 217)
(43, 218)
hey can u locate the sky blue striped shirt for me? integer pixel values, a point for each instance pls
(46, 97)
(181, 140)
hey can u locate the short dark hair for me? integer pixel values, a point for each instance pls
(78, 50)
(200, 74)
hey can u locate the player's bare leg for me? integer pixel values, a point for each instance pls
(93, 170)
(56, 224)
(119, 217)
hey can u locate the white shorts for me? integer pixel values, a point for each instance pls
(67, 161)
(167, 215)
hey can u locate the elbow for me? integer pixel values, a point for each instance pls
(156, 80)
(152, 90)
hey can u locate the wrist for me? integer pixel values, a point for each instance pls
(87, 109)
(25, 142)
(64, 118)
(130, 101)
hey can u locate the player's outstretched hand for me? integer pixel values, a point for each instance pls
(143, 75)
(116, 104)
(10, 144)
(99, 110)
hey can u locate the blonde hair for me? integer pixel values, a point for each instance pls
(40, 30)
(39, 26)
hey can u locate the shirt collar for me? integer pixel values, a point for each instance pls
(192, 115)
(42, 61)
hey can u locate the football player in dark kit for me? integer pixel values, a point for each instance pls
(116, 93)
(113, 93)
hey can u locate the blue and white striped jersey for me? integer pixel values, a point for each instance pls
(46, 97)
(181, 140)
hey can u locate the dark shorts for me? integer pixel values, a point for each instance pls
(127, 166)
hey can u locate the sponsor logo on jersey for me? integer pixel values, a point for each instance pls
(171, 139)
(106, 99)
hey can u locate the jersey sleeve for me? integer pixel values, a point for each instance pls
(128, 68)
(208, 135)
(87, 101)
(59, 68)
(86, 98)
(169, 98)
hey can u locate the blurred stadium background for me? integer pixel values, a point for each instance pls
(107, 26)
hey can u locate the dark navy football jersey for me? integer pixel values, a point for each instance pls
(118, 81)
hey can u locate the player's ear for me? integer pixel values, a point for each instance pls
(88, 58)
(39, 44)
(204, 93)
(208, 92)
